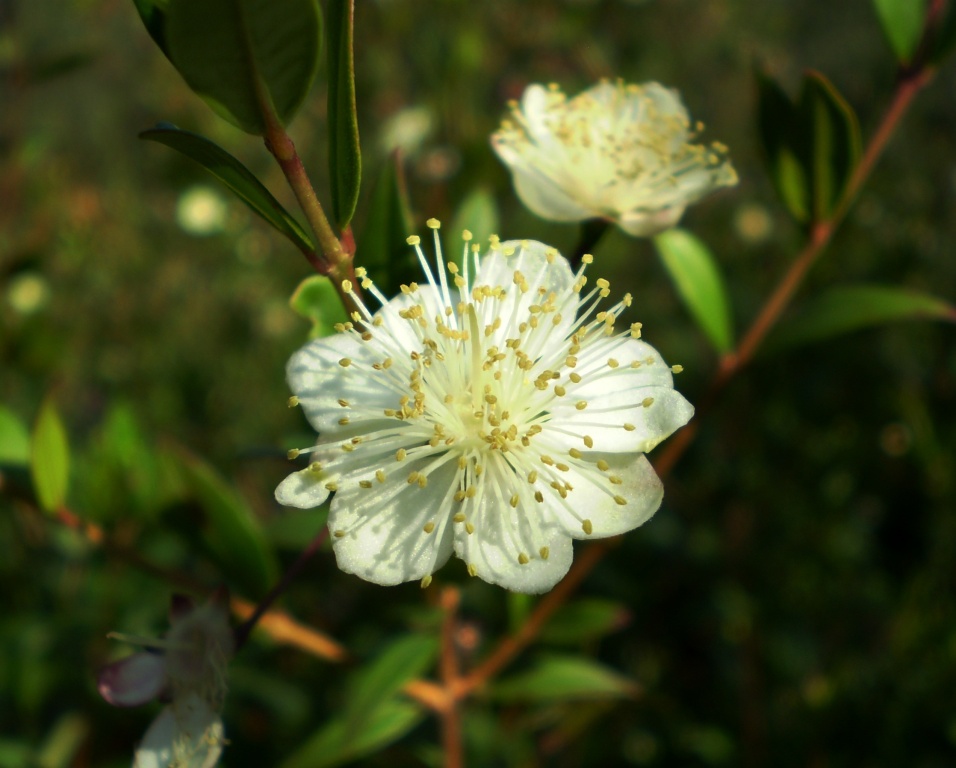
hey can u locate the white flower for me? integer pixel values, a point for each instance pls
(187, 668)
(620, 152)
(493, 412)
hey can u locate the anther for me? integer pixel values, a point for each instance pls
(292, 402)
(544, 552)
(523, 558)
(292, 454)
(426, 581)
(587, 527)
(428, 527)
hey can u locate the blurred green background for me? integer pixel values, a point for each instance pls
(791, 604)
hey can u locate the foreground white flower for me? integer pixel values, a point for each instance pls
(188, 669)
(617, 151)
(493, 412)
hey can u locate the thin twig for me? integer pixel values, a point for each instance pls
(451, 714)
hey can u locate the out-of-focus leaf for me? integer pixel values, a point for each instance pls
(479, 215)
(693, 269)
(153, 14)
(64, 741)
(584, 620)
(230, 531)
(381, 679)
(345, 157)
(50, 458)
(835, 144)
(316, 300)
(14, 439)
(850, 308)
(812, 145)
(335, 744)
(382, 249)
(902, 22)
(252, 61)
(563, 678)
(234, 175)
(943, 36)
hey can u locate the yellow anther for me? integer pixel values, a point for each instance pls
(581, 404)
(532, 477)
(514, 500)
(620, 500)
(472, 569)
(677, 368)
(343, 421)
(380, 475)
(574, 453)
(466, 235)
(538, 496)
(292, 402)
(339, 534)
(589, 441)
(292, 453)
(612, 363)
(647, 402)
(615, 479)
(523, 558)
(629, 427)
(587, 527)
(459, 518)
(331, 487)
(428, 527)
(603, 465)
(587, 258)
(413, 240)
(575, 377)
(544, 552)
(365, 483)
(469, 528)
(344, 403)
(345, 362)
(426, 581)
(412, 478)
(346, 286)
(400, 454)
(433, 223)
(562, 467)
(559, 390)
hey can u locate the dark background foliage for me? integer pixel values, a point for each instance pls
(793, 601)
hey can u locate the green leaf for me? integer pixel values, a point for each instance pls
(383, 249)
(693, 269)
(835, 141)
(345, 157)
(252, 61)
(902, 22)
(853, 307)
(316, 300)
(478, 213)
(14, 439)
(585, 620)
(563, 678)
(406, 658)
(234, 175)
(811, 146)
(153, 14)
(943, 35)
(50, 458)
(230, 531)
(335, 744)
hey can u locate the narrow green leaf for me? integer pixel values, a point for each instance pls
(153, 14)
(777, 125)
(404, 659)
(563, 678)
(382, 247)
(694, 271)
(834, 141)
(234, 175)
(252, 61)
(478, 213)
(585, 620)
(316, 300)
(14, 439)
(230, 531)
(335, 744)
(345, 156)
(854, 307)
(902, 22)
(50, 458)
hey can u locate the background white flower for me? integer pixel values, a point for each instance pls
(494, 412)
(616, 151)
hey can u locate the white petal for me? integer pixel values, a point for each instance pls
(378, 532)
(134, 680)
(644, 223)
(318, 379)
(303, 490)
(187, 734)
(593, 496)
(546, 197)
(492, 555)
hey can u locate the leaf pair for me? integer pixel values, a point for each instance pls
(812, 145)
